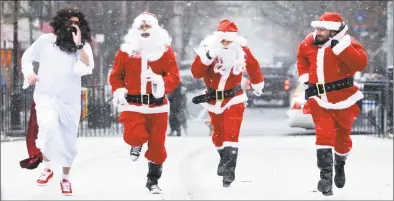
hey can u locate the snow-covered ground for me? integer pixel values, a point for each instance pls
(269, 167)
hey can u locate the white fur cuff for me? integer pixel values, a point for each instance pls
(205, 60)
(158, 89)
(303, 78)
(230, 144)
(342, 45)
(120, 93)
(259, 86)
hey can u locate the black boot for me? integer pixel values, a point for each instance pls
(339, 165)
(154, 175)
(220, 170)
(230, 155)
(325, 164)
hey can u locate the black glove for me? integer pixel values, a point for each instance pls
(333, 43)
(208, 56)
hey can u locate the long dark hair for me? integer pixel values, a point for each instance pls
(63, 30)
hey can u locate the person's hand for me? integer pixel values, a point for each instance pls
(258, 92)
(76, 36)
(120, 97)
(32, 79)
(214, 53)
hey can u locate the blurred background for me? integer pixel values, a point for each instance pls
(273, 30)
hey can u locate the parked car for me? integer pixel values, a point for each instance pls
(278, 85)
(296, 116)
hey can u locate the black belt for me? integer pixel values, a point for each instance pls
(145, 99)
(216, 95)
(319, 89)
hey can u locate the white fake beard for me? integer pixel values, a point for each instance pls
(231, 58)
(151, 47)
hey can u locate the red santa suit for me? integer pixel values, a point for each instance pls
(145, 69)
(227, 114)
(333, 112)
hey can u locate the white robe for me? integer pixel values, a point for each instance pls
(57, 96)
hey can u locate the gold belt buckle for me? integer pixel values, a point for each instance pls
(318, 91)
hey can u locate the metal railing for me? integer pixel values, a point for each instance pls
(100, 118)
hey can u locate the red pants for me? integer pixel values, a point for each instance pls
(141, 128)
(226, 126)
(333, 127)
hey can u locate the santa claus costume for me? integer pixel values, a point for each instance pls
(144, 71)
(326, 71)
(221, 67)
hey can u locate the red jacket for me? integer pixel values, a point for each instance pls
(126, 73)
(323, 64)
(212, 80)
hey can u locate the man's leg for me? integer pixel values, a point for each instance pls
(325, 141)
(156, 153)
(217, 139)
(343, 143)
(47, 120)
(135, 133)
(232, 120)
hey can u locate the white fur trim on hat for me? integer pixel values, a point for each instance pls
(229, 36)
(326, 24)
(150, 19)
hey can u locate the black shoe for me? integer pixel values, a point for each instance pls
(221, 168)
(154, 175)
(339, 166)
(135, 152)
(325, 164)
(230, 155)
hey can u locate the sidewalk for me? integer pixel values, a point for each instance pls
(10, 138)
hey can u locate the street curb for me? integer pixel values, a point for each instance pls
(11, 139)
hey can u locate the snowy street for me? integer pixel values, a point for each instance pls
(269, 167)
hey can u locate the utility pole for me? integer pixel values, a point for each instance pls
(15, 95)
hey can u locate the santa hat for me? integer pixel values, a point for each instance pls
(227, 30)
(146, 18)
(329, 20)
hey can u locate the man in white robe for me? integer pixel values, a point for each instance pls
(64, 56)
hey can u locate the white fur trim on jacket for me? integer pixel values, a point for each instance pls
(343, 43)
(342, 104)
(219, 110)
(230, 144)
(303, 78)
(145, 109)
(258, 86)
(326, 24)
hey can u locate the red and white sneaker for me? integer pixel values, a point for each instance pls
(45, 176)
(66, 187)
